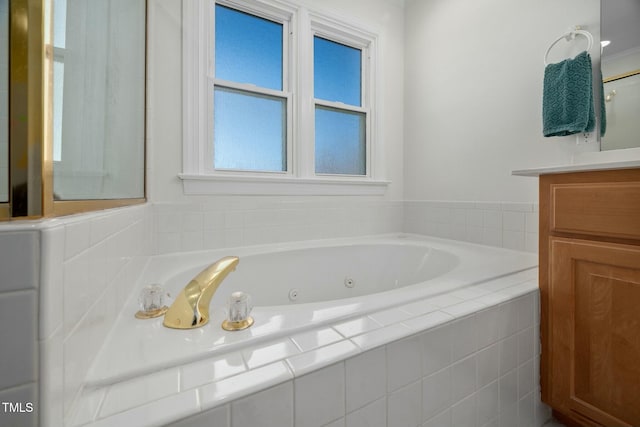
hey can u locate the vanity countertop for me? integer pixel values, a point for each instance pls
(593, 161)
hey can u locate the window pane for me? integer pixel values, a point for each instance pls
(249, 131)
(340, 142)
(248, 49)
(337, 72)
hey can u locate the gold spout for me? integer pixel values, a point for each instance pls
(191, 307)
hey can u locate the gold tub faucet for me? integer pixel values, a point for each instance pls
(191, 307)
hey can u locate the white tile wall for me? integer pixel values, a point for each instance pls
(323, 356)
(89, 263)
(19, 284)
(366, 381)
(414, 381)
(19, 327)
(19, 260)
(242, 221)
(320, 396)
(404, 362)
(135, 392)
(210, 370)
(86, 263)
(372, 415)
(504, 224)
(274, 404)
(237, 386)
(262, 355)
(218, 417)
(100, 253)
(404, 406)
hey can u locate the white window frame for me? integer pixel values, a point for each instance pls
(300, 25)
(286, 18)
(349, 36)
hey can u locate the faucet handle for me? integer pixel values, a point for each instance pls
(239, 308)
(152, 302)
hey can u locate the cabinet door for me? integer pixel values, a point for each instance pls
(595, 330)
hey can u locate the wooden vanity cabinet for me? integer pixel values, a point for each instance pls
(590, 296)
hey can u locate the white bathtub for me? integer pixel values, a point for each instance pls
(385, 272)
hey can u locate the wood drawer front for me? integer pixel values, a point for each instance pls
(600, 209)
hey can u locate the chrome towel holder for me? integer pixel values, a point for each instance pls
(571, 35)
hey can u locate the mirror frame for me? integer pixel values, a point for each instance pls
(26, 81)
(31, 118)
(620, 76)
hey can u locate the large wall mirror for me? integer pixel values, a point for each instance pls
(98, 99)
(72, 105)
(620, 27)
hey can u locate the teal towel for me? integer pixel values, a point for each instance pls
(567, 100)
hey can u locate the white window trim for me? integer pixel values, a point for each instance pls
(198, 176)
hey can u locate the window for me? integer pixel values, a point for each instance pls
(340, 130)
(278, 100)
(250, 104)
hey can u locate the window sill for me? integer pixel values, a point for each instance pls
(241, 185)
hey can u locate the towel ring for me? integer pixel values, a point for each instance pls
(570, 35)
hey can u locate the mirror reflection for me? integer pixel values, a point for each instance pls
(620, 35)
(4, 101)
(98, 99)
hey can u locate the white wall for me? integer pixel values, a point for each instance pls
(165, 128)
(202, 222)
(473, 95)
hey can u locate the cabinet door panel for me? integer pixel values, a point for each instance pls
(595, 309)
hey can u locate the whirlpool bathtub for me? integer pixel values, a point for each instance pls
(295, 287)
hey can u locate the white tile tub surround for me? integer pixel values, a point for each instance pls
(510, 225)
(432, 367)
(466, 264)
(81, 266)
(245, 221)
(19, 287)
(88, 264)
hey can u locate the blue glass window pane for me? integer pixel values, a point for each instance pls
(248, 49)
(340, 142)
(249, 131)
(337, 71)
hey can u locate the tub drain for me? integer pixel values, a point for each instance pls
(293, 294)
(349, 282)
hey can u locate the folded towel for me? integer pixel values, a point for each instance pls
(567, 100)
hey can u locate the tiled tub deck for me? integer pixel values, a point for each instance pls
(466, 358)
